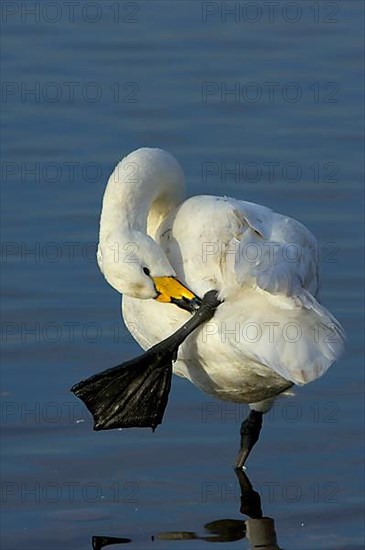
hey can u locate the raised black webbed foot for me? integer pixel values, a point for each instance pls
(250, 432)
(135, 393)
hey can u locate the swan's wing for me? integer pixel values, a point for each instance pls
(231, 243)
(279, 256)
(275, 253)
(266, 266)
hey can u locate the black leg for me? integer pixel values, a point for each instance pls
(250, 432)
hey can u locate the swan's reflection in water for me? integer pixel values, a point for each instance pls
(257, 529)
(101, 542)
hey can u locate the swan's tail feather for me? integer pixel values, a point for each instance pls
(133, 394)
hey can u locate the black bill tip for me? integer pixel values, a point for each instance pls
(190, 305)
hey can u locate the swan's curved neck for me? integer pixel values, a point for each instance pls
(137, 199)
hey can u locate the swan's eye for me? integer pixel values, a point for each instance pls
(146, 270)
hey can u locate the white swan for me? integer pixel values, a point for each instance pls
(269, 333)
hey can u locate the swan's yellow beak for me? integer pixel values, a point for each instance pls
(170, 290)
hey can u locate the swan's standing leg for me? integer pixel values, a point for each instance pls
(251, 428)
(250, 433)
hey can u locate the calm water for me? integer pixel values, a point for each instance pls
(110, 78)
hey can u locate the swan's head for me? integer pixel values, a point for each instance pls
(143, 188)
(137, 267)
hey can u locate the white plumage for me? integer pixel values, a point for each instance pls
(270, 331)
